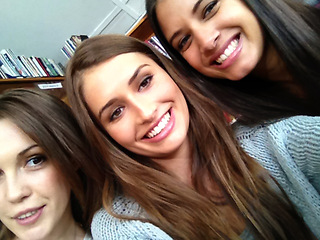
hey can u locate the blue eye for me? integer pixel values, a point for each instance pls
(208, 9)
(145, 82)
(116, 113)
(36, 161)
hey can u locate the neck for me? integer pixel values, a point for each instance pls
(179, 163)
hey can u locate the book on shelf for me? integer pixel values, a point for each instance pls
(153, 41)
(71, 44)
(27, 66)
(6, 59)
(15, 66)
(38, 66)
(3, 75)
(56, 67)
(21, 69)
(6, 68)
(50, 69)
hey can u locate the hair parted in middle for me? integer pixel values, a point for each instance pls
(181, 211)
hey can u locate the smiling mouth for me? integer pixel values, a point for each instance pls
(27, 215)
(228, 51)
(161, 125)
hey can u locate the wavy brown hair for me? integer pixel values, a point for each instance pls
(50, 123)
(181, 211)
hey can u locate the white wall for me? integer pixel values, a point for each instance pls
(40, 27)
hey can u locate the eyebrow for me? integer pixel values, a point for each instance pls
(196, 6)
(194, 9)
(27, 149)
(133, 77)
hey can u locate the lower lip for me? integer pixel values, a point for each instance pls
(32, 219)
(164, 132)
(233, 56)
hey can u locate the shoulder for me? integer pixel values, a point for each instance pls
(106, 226)
(297, 128)
(291, 143)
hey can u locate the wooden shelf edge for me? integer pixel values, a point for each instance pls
(25, 80)
(142, 30)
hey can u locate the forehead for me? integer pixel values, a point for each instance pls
(114, 71)
(172, 14)
(102, 82)
(12, 139)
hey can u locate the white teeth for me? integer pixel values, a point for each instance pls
(29, 214)
(227, 52)
(156, 130)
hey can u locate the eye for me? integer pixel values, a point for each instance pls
(36, 161)
(210, 8)
(116, 113)
(184, 43)
(145, 82)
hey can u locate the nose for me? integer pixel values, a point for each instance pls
(206, 37)
(145, 110)
(17, 189)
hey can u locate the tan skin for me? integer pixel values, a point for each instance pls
(201, 30)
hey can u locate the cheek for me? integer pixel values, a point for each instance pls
(122, 133)
(193, 57)
(54, 185)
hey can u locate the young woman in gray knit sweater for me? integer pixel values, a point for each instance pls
(175, 169)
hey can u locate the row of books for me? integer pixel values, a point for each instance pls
(71, 44)
(13, 66)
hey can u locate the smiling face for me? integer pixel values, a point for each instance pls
(34, 198)
(220, 38)
(138, 104)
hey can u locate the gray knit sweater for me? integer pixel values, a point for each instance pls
(289, 149)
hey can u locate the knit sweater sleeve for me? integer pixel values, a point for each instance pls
(290, 150)
(105, 226)
(303, 144)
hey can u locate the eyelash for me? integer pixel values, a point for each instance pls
(147, 79)
(40, 158)
(183, 42)
(208, 9)
(143, 84)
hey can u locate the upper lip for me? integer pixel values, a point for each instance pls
(222, 49)
(156, 123)
(26, 211)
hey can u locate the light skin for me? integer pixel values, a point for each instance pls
(35, 198)
(142, 109)
(220, 39)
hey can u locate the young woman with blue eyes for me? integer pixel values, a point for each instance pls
(258, 60)
(175, 168)
(49, 181)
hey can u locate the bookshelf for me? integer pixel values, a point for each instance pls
(142, 31)
(49, 84)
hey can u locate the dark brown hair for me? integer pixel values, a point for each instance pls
(50, 123)
(181, 211)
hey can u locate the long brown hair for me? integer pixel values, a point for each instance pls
(50, 123)
(183, 212)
